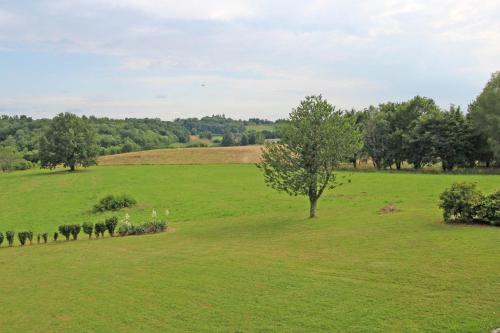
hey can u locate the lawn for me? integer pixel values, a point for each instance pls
(240, 257)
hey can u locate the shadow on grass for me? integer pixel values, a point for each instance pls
(58, 172)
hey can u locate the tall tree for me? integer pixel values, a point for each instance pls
(376, 139)
(313, 142)
(70, 141)
(485, 114)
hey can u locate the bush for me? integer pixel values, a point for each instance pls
(45, 237)
(1, 238)
(488, 211)
(22, 236)
(29, 235)
(56, 236)
(111, 225)
(88, 228)
(65, 230)
(38, 237)
(155, 226)
(10, 237)
(459, 203)
(112, 203)
(124, 229)
(75, 230)
(99, 229)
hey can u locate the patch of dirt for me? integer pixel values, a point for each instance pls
(389, 208)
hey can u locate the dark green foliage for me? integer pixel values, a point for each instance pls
(1, 238)
(111, 225)
(56, 236)
(462, 203)
(65, 230)
(70, 141)
(75, 230)
(88, 228)
(244, 140)
(154, 226)
(11, 159)
(113, 203)
(99, 229)
(126, 229)
(217, 124)
(10, 237)
(38, 237)
(227, 139)
(29, 235)
(22, 236)
(45, 237)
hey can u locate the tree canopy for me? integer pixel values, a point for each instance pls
(315, 139)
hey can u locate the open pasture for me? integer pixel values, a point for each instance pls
(240, 257)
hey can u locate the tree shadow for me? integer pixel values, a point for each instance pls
(58, 172)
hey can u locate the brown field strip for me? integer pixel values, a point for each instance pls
(213, 155)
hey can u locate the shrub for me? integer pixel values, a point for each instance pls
(65, 230)
(139, 230)
(75, 230)
(111, 225)
(10, 237)
(1, 238)
(22, 236)
(88, 228)
(488, 211)
(112, 203)
(124, 229)
(459, 202)
(56, 236)
(155, 226)
(45, 237)
(29, 235)
(38, 238)
(99, 229)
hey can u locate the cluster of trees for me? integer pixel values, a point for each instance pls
(419, 132)
(242, 139)
(98, 229)
(215, 124)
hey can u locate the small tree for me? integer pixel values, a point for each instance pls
(45, 237)
(227, 139)
(65, 230)
(29, 235)
(75, 230)
(111, 225)
(22, 237)
(10, 237)
(244, 140)
(1, 238)
(56, 236)
(88, 228)
(313, 142)
(38, 237)
(99, 228)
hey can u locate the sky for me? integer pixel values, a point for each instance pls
(242, 58)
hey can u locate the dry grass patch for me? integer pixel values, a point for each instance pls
(213, 155)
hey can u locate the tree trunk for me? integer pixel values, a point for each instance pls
(312, 209)
(72, 167)
(398, 165)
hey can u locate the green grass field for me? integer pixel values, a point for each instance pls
(243, 258)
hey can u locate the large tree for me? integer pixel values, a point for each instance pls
(315, 139)
(70, 141)
(484, 113)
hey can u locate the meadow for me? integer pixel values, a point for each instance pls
(240, 257)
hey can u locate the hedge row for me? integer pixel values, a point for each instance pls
(463, 203)
(98, 229)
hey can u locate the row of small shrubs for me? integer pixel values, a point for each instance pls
(463, 203)
(73, 230)
(113, 203)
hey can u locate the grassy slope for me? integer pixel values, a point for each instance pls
(244, 258)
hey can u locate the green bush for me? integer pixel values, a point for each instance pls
(29, 235)
(111, 225)
(10, 237)
(1, 238)
(459, 203)
(88, 228)
(113, 203)
(75, 230)
(488, 211)
(38, 237)
(99, 229)
(22, 236)
(65, 230)
(124, 229)
(56, 236)
(45, 237)
(155, 226)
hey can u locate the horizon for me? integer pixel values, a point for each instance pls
(244, 59)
